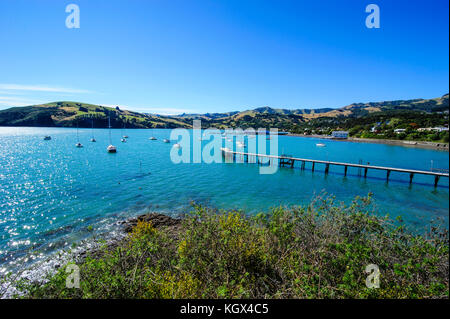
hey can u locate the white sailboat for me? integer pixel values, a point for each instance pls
(79, 145)
(124, 135)
(93, 138)
(111, 148)
(152, 138)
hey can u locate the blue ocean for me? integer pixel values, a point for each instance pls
(53, 194)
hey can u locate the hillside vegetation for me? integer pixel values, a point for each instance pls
(358, 118)
(70, 114)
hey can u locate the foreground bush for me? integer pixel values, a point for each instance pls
(318, 251)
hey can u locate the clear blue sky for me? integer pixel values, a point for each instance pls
(173, 56)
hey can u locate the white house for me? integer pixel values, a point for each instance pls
(435, 129)
(399, 130)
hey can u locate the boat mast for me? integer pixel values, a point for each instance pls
(109, 126)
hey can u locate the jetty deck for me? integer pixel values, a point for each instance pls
(290, 161)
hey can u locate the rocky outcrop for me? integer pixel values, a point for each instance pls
(157, 220)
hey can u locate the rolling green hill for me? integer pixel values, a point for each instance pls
(70, 114)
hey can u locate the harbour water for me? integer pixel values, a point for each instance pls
(53, 194)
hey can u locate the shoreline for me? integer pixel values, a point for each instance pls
(416, 144)
(439, 146)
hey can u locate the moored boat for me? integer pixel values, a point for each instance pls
(111, 148)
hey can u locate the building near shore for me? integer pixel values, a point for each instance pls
(433, 129)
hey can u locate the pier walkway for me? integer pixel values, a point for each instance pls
(289, 161)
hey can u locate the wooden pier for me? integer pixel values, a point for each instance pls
(290, 161)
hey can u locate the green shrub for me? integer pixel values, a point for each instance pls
(317, 251)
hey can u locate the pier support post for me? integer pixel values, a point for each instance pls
(365, 172)
(411, 175)
(436, 180)
(303, 165)
(345, 170)
(387, 175)
(313, 166)
(292, 163)
(327, 168)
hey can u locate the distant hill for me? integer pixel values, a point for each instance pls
(70, 114)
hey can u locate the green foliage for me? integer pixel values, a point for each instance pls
(358, 118)
(317, 251)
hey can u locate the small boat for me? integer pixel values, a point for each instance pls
(152, 138)
(320, 145)
(123, 131)
(93, 138)
(166, 140)
(47, 138)
(111, 149)
(176, 145)
(78, 139)
(123, 140)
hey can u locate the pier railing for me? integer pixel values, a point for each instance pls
(290, 161)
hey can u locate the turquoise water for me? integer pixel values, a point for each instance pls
(51, 191)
